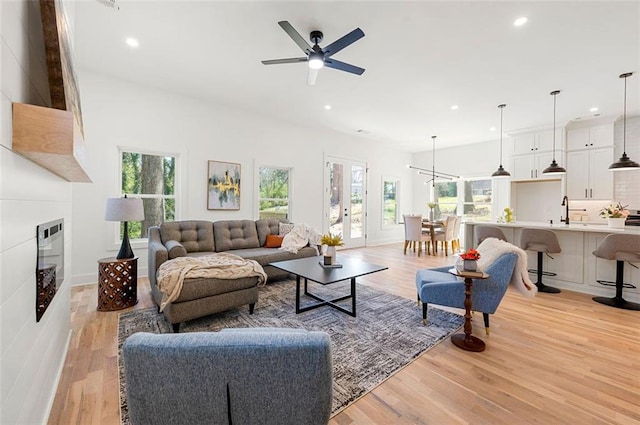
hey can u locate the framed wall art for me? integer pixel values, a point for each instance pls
(223, 186)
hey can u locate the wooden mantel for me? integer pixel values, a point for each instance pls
(49, 137)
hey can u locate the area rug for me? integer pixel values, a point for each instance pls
(386, 335)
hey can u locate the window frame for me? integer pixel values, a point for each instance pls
(462, 202)
(398, 187)
(289, 198)
(114, 227)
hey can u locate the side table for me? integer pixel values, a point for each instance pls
(467, 341)
(117, 283)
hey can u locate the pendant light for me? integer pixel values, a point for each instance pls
(624, 163)
(501, 172)
(554, 168)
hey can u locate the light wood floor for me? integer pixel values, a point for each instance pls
(553, 359)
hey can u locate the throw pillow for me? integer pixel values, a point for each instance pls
(176, 249)
(274, 241)
(285, 228)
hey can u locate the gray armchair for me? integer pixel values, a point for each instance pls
(240, 376)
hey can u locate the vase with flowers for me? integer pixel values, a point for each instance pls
(331, 241)
(470, 260)
(432, 206)
(615, 213)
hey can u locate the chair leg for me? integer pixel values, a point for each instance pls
(446, 248)
(424, 313)
(618, 301)
(541, 286)
(251, 307)
(418, 294)
(406, 243)
(486, 322)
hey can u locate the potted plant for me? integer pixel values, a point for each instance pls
(508, 215)
(615, 213)
(331, 241)
(470, 259)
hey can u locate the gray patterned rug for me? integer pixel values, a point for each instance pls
(386, 335)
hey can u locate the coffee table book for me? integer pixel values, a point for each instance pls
(469, 273)
(330, 266)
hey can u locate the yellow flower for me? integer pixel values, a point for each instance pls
(331, 240)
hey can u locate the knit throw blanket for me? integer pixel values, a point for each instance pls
(491, 249)
(172, 273)
(300, 236)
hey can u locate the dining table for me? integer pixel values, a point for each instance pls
(431, 226)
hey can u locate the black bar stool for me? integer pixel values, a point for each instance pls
(541, 241)
(620, 248)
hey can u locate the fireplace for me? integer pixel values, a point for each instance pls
(50, 264)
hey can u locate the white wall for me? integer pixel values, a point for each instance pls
(118, 113)
(31, 354)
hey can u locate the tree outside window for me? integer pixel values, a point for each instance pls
(390, 202)
(477, 200)
(152, 178)
(446, 194)
(273, 190)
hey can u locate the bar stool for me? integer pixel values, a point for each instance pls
(482, 232)
(620, 248)
(541, 241)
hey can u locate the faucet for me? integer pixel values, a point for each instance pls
(565, 204)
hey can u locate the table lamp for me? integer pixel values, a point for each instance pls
(124, 209)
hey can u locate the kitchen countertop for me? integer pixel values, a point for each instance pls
(574, 227)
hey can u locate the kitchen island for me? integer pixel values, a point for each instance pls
(576, 268)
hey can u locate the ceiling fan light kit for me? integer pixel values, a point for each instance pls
(501, 172)
(318, 57)
(624, 163)
(554, 168)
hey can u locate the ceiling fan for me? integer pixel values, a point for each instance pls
(318, 57)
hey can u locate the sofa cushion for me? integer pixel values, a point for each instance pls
(197, 288)
(235, 234)
(265, 256)
(273, 241)
(194, 235)
(268, 226)
(176, 249)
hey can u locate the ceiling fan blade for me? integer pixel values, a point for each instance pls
(312, 75)
(295, 36)
(342, 66)
(343, 42)
(278, 61)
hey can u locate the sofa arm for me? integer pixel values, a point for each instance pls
(157, 253)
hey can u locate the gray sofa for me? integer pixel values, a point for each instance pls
(240, 376)
(201, 297)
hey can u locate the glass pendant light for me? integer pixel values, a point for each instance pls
(624, 163)
(501, 172)
(554, 168)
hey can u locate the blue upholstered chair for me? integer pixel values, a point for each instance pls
(240, 376)
(438, 286)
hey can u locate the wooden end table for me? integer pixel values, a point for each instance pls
(117, 283)
(467, 341)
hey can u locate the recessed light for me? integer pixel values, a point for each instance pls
(132, 42)
(594, 109)
(520, 21)
(454, 107)
(492, 129)
(327, 107)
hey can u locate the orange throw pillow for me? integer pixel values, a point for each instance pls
(274, 241)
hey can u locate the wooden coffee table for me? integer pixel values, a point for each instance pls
(310, 269)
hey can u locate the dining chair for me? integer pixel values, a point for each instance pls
(413, 233)
(447, 235)
(456, 235)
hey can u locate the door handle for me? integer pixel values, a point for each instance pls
(585, 192)
(590, 193)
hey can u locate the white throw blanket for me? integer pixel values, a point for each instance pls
(491, 249)
(300, 236)
(172, 273)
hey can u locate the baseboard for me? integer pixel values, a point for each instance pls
(57, 380)
(84, 279)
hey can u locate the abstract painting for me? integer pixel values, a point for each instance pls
(223, 186)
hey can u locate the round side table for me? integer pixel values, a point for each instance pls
(117, 283)
(467, 341)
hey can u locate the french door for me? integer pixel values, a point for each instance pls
(346, 200)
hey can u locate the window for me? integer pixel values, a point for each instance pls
(446, 198)
(390, 201)
(273, 189)
(477, 200)
(152, 178)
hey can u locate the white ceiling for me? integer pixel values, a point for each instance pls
(421, 57)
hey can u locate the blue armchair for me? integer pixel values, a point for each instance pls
(438, 286)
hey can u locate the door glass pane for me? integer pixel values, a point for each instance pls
(336, 182)
(357, 214)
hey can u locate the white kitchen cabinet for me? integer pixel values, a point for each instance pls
(590, 137)
(588, 175)
(530, 167)
(530, 142)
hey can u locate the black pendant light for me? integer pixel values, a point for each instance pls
(554, 168)
(624, 163)
(501, 172)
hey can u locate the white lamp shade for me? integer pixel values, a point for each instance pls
(124, 209)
